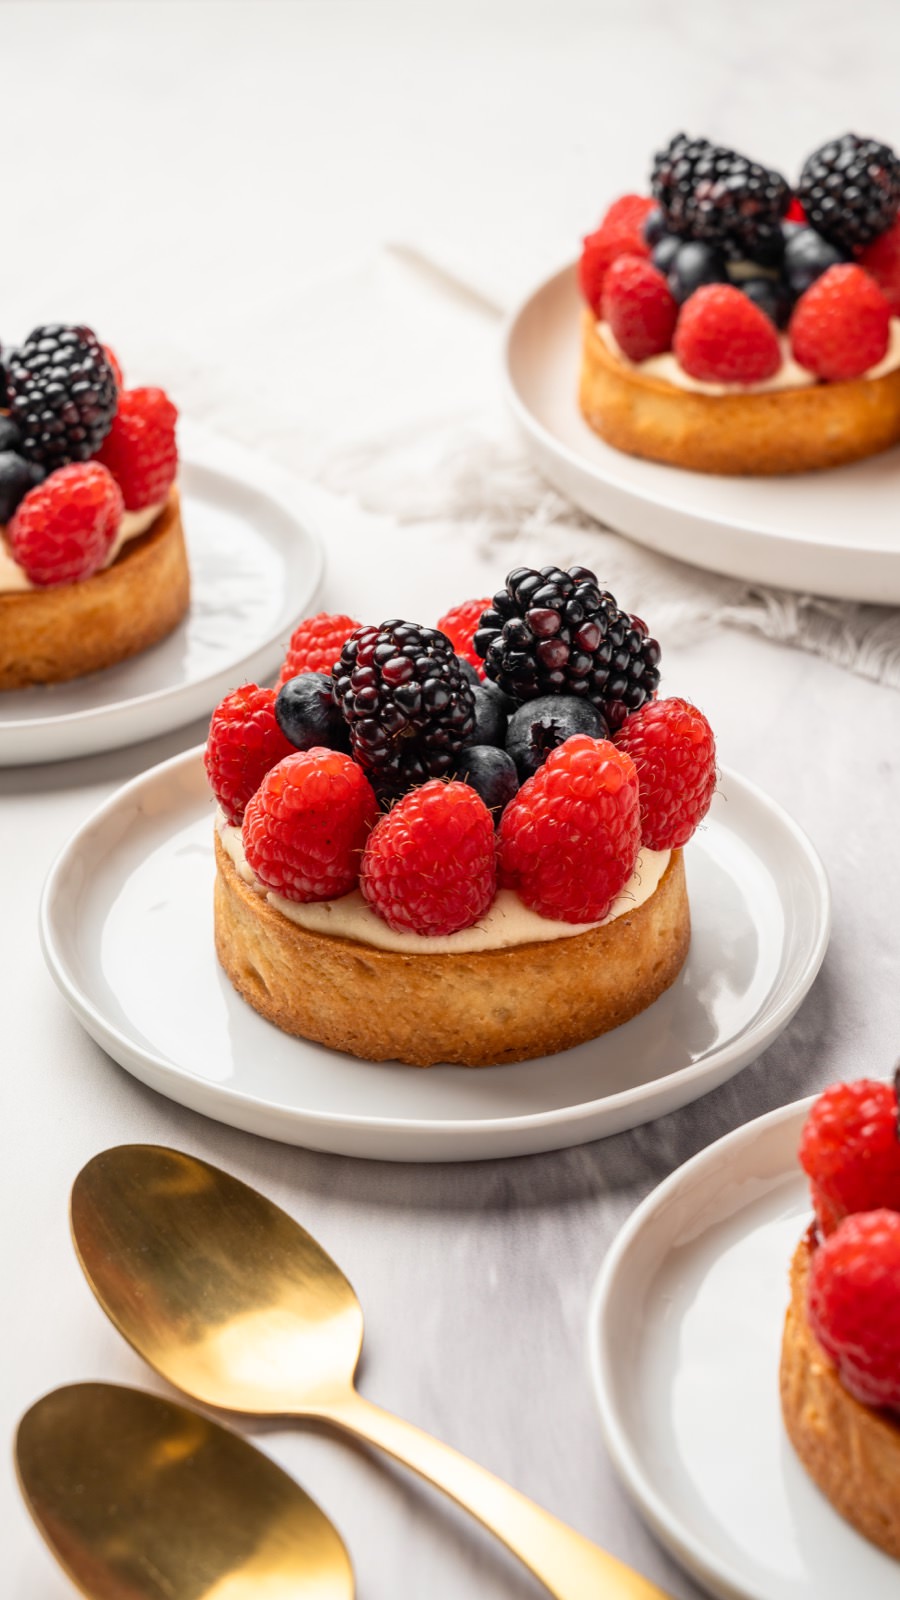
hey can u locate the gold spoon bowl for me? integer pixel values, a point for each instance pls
(235, 1304)
(142, 1499)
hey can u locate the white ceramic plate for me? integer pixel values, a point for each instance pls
(126, 925)
(256, 567)
(835, 533)
(684, 1338)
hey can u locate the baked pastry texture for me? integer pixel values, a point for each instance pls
(850, 1450)
(52, 635)
(472, 1009)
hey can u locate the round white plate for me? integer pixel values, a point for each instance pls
(126, 925)
(684, 1338)
(256, 566)
(836, 533)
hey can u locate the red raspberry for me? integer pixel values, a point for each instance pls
(570, 837)
(459, 624)
(430, 865)
(316, 645)
(306, 827)
(62, 531)
(840, 327)
(140, 449)
(674, 751)
(881, 261)
(795, 211)
(850, 1150)
(619, 234)
(114, 363)
(853, 1305)
(639, 308)
(722, 337)
(243, 744)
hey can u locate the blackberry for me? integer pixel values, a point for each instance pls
(721, 198)
(409, 707)
(62, 394)
(555, 632)
(850, 190)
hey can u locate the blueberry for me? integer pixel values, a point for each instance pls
(467, 670)
(16, 478)
(307, 715)
(491, 710)
(10, 437)
(806, 256)
(654, 226)
(491, 773)
(693, 265)
(540, 725)
(665, 250)
(772, 297)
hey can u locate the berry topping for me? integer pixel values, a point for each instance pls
(639, 308)
(491, 773)
(408, 705)
(430, 865)
(850, 190)
(17, 476)
(62, 394)
(850, 1151)
(140, 449)
(674, 753)
(707, 192)
(307, 715)
(692, 265)
(772, 297)
(841, 326)
(555, 632)
(62, 530)
(243, 744)
(540, 725)
(115, 365)
(305, 828)
(316, 645)
(492, 708)
(570, 838)
(882, 262)
(722, 337)
(665, 250)
(620, 234)
(459, 624)
(854, 1305)
(806, 256)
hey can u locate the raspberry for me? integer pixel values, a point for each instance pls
(459, 624)
(140, 449)
(316, 645)
(306, 826)
(115, 365)
(618, 234)
(243, 743)
(569, 840)
(430, 865)
(674, 752)
(853, 1305)
(882, 262)
(841, 325)
(722, 337)
(795, 211)
(62, 531)
(639, 308)
(849, 1149)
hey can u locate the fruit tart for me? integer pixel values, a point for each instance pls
(93, 565)
(840, 1356)
(459, 843)
(736, 325)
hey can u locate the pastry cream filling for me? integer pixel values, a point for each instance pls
(508, 922)
(133, 524)
(790, 374)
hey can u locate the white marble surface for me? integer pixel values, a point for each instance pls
(211, 186)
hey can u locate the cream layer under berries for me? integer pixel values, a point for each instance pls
(509, 774)
(727, 279)
(86, 465)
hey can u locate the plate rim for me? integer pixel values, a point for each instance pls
(207, 450)
(532, 426)
(689, 1551)
(768, 1026)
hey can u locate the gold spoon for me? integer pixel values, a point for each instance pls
(235, 1304)
(141, 1499)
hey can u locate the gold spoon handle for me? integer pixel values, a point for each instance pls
(570, 1566)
